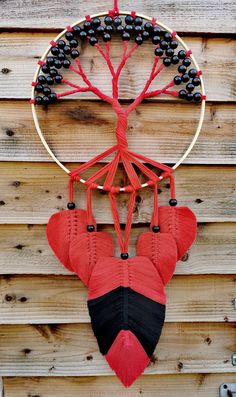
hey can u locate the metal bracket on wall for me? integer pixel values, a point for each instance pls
(228, 390)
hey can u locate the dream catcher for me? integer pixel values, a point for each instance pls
(126, 297)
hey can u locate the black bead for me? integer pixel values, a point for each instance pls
(109, 29)
(169, 52)
(138, 21)
(52, 97)
(185, 78)
(53, 72)
(90, 228)
(163, 44)
(66, 63)
(148, 27)
(197, 97)
(125, 36)
(167, 61)
(39, 88)
(83, 35)
(177, 80)
(100, 30)
(46, 100)
(87, 25)
(42, 79)
(192, 73)
(117, 22)
(61, 44)
(175, 59)
(145, 35)
(182, 54)
(69, 36)
(139, 40)
(182, 69)
(58, 79)
(182, 94)
(57, 64)
(93, 41)
(76, 30)
(106, 37)
(189, 96)
(129, 19)
(55, 50)
(71, 206)
(38, 100)
(74, 43)
(50, 80)
(75, 54)
(108, 20)
(46, 91)
(156, 31)
(173, 202)
(90, 33)
(190, 87)
(129, 28)
(187, 62)
(67, 49)
(61, 56)
(167, 36)
(156, 39)
(196, 81)
(45, 69)
(50, 61)
(124, 255)
(138, 29)
(174, 44)
(96, 22)
(156, 229)
(158, 52)
(120, 29)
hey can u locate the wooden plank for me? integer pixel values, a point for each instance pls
(215, 16)
(24, 250)
(71, 350)
(31, 192)
(149, 132)
(19, 54)
(196, 385)
(62, 299)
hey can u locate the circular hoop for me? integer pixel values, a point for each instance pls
(202, 112)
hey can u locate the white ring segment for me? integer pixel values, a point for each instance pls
(202, 112)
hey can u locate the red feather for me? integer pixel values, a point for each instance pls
(62, 228)
(138, 273)
(181, 223)
(127, 357)
(161, 249)
(86, 249)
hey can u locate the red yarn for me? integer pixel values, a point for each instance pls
(86, 249)
(138, 273)
(62, 228)
(181, 223)
(127, 357)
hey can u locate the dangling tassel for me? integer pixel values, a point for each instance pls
(179, 221)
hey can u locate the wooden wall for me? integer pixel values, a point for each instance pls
(46, 344)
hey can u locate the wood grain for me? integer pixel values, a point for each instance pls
(24, 250)
(71, 127)
(20, 52)
(184, 385)
(71, 350)
(62, 299)
(215, 16)
(31, 192)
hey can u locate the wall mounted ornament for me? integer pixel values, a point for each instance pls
(126, 295)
